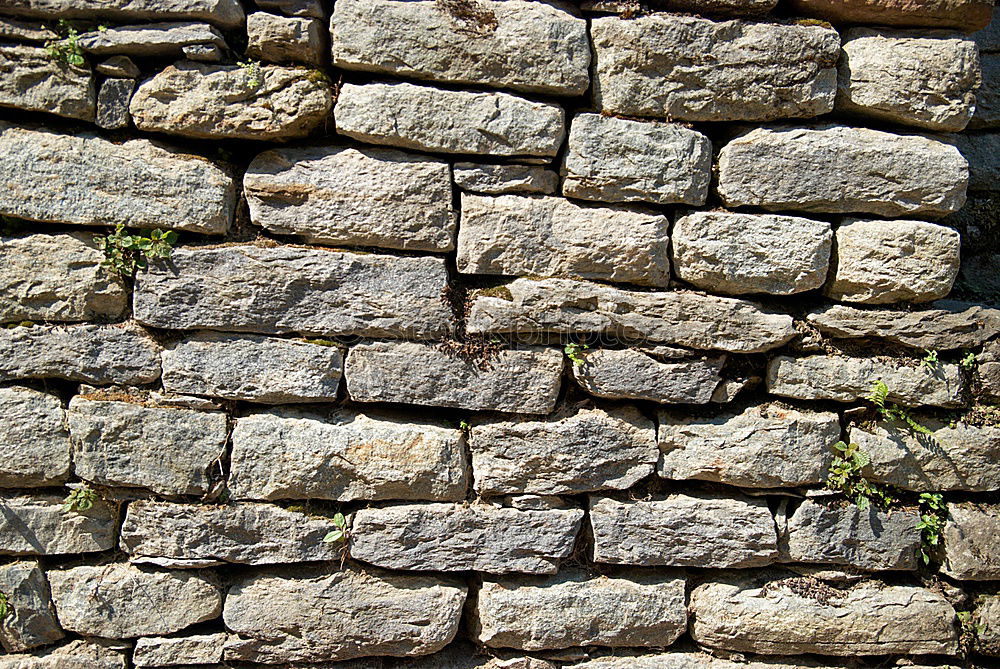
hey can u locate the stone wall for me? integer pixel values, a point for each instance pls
(499, 334)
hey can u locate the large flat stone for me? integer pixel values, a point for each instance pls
(223, 13)
(32, 621)
(36, 449)
(460, 537)
(166, 651)
(423, 118)
(350, 196)
(689, 661)
(982, 150)
(37, 525)
(988, 95)
(876, 172)
(967, 15)
(34, 81)
(640, 374)
(292, 289)
(78, 654)
(528, 46)
(150, 40)
(969, 539)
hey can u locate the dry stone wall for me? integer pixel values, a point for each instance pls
(499, 334)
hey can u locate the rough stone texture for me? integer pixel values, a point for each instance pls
(988, 616)
(102, 601)
(876, 172)
(25, 31)
(681, 530)
(458, 537)
(351, 613)
(32, 621)
(982, 150)
(112, 103)
(571, 609)
(694, 69)
(710, 7)
(529, 46)
(969, 539)
(345, 456)
(618, 160)
(37, 525)
(222, 101)
(735, 253)
(764, 446)
(688, 661)
(34, 443)
(676, 317)
(311, 8)
(254, 369)
(867, 619)
(79, 654)
(881, 262)
(223, 13)
(290, 289)
(84, 179)
(461, 656)
(118, 66)
(546, 236)
(988, 95)
(163, 40)
(501, 179)
(172, 651)
(98, 354)
(168, 451)
(423, 118)
(967, 15)
(278, 39)
(517, 381)
(641, 374)
(847, 379)
(354, 197)
(569, 452)
(33, 81)
(988, 39)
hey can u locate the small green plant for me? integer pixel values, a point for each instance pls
(933, 513)
(968, 361)
(253, 77)
(846, 476)
(66, 50)
(464, 426)
(102, 28)
(124, 252)
(5, 608)
(930, 358)
(968, 625)
(891, 411)
(574, 352)
(340, 533)
(80, 499)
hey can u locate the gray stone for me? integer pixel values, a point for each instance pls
(546, 236)
(461, 656)
(881, 262)
(982, 150)
(529, 46)
(253, 369)
(681, 530)
(969, 538)
(846, 379)
(675, 317)
(168, 451)
(34, 81)
(78, 654)
(988, 617)
(640, 374)
(619, 160)
(967, 15)
(278, 39)
(423, 118)
(460, 537)
(345, 456)
(516, 381)
(688, 661)
(31, 621)
(118, 66)
(87, 180)
(25, 31)
(204, 53)
(186, 650)
(988, 39)
(571, 609)
(105, 601)
(259, 102)
(311, 8)
(34, 442)
(787, 616)
(355, 613)
(764, 446)
(112, 103)
(988, 96)
(38, 526)
(694, 69)
(99, 354)
(281, 290)
(876, 172)
(150, 40)
(353, 196)
(722, 7)
(226, 14)
(569, 452)
(502, 179)
(732, 253)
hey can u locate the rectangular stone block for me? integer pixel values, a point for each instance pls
(502, 179)
(223, 13)
(689, 660)
(34, 81)
(642, 374)
(165, 651)
(37, 525)
(967, 15)
(77, 654)
(31, 621)
(34, 442)
(150, 40)
(969, 542)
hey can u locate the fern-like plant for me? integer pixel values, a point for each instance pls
(891, 411)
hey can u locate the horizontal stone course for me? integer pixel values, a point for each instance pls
(502, 179)
(967, 15)
(164, 40)
(640, 374)
(224, 13)
(77, 654)
(34, 82)
(37, 525)
(194, 649)
(34, 437)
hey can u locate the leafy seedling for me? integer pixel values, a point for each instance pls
(968, 361)
(846, 476)
(5, 608)
(339, 534)
(574, 352)
(124, 252)
(933, 513)
(80, 499)
(66, 50)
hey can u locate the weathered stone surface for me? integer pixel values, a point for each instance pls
(423, 118)
(103, 601)
(112, 103)
(988, 39)
(847, 379)
(568, 452)
(739, 614)
(988, 617)
(84, 179)
(266, 102)
(695, 69)
(31, 622)
(675, 317)
(79, 654)
(967, 15)
(518, 234)
(876, 172)
(185, 650)
(312, 8)
(881, 262)
(223, 13)
(501, 179)
(345, 456)
(988, 95)
(711, 7)
(25, 31)
(732, 253)
(461, 656)
(38, 526)
(684, 531)
(290, 289)
(982, 150)
(764, 446)
(278, 39)
(34, 443)
(34, 81)
(619, 160)
(99, 354)
(969, 539)
(118, 66)
(686, 661)
(530, 46)
(150, 39)
(459, 537)
(168, 451)
(640, 374)
(353, 196)
(254, 369)
(352, 613)
(571, 609)
(517, 381)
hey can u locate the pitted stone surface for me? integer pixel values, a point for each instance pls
(967, 15)
(280, 39)
(988, 615)
(195, 649)
(32, 620)
(969, 540)
(640, 374)
(37, 525)
(502, 179)
(224, 13)
(78, 654)
(686, 661)
(34, 442)
(33, 81)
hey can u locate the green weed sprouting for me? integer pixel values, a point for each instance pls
(66, 50)
(338, 534)
(80, 499)
(575, 353)
(891, 411)
(930, 358)
(968, 361)
(5, 608)
(933, 513)
(254, 78)
(846, 476)
(124, 252)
